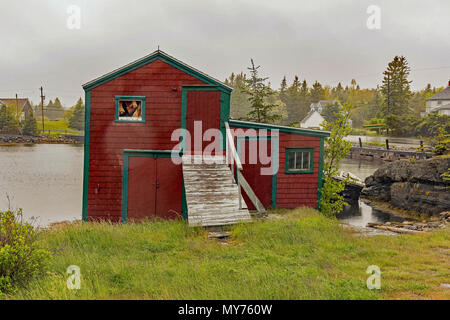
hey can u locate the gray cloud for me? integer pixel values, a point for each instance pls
(324, 40)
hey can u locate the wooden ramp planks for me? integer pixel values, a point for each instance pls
(211, 195)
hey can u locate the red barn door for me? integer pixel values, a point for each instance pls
(154, 188)
(261, 184)
(203, 112)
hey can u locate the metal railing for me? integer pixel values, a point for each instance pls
(234, 161)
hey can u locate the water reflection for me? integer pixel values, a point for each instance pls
(360, 213)
(43, 179)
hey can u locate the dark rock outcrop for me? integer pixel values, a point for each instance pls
(412, 185)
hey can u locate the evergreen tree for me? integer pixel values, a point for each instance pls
(30, 126)
(293, 101)
(396, 91)
(317, 92)
(258, 92)
(239, 104)
(330, 112)
(8, 121)
(76, 121)
(283, 88)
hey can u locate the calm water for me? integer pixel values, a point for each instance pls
(360, 213)
(45, 180)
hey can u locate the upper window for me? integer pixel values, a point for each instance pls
(299, 160)
(130, 109)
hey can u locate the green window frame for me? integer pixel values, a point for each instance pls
(296, 161)
(129, 98)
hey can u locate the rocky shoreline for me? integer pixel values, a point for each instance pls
(412, 185)
(8, 139)
(412, 227)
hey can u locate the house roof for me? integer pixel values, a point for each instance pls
(12, 101)
(257, 125)
(161, 55)
(323, 103)
(441, 107)
(309, 115)
(443, 95)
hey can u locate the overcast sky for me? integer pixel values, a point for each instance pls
(324, 40)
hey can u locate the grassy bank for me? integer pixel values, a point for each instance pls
(304, 256)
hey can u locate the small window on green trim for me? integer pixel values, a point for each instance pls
(130, 109)
(299, 160)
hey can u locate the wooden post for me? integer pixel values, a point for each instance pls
(240, 196)
(360, 142)
(42, 109)
(387, 144)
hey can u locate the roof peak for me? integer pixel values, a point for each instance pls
(157, 54)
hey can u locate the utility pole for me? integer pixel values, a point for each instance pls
(17, 108)
(388, 98)
(42, 108)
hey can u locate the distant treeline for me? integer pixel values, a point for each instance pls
(391, 103)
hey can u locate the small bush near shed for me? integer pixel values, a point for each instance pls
(21, 258)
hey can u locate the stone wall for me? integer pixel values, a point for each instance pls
(412, 185)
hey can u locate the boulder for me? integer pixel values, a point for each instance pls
(412, 185)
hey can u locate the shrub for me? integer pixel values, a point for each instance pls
(30, 126)
(21, 258)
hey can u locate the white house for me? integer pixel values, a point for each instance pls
(440, 102)
(313, 120)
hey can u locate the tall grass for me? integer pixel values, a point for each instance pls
(303, 256)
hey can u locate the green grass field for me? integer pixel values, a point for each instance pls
(303, 256)
(60, 124)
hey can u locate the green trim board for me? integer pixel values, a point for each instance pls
(129, 98)
(158, 54)
(300, 131)
(127, 153)
(87, 130)
(275, 146)
(224, 109)
(311, 160)
(319, 184)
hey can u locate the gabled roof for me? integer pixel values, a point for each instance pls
(257, 125)
(161, 55)
(443, 95)
(12, 101)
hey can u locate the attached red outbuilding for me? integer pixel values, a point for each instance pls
(136, 167)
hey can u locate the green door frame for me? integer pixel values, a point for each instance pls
(127, 153)
(274, 144)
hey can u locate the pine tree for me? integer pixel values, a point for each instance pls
(30, 126)
(283, 88)
(317, 92)
(396, 91)
(8, 121)
(239, 104)
(258, 92)
(76, 121)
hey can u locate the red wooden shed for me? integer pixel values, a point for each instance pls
(159, 141)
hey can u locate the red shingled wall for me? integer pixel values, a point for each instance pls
(155, 81)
